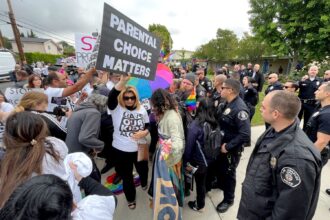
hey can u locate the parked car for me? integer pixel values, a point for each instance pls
(7, 63)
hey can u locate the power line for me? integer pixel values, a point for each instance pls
(29, 22)
(42, 31)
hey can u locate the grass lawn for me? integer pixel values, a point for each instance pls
(257, 119)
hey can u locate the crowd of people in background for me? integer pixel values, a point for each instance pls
(206, 119)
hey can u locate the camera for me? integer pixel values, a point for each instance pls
(60, 110)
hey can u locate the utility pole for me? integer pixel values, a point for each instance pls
(16, 32)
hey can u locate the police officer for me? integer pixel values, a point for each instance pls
(203, 80)
(307, 87)
(274, 84)
(283, 174)
(318, 126)
(235, 124)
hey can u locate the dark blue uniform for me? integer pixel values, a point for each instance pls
(251, 98)
(282, 177)
(206, 83)
(307, 89)
(234, 122)
(319, 122)
(276, 86)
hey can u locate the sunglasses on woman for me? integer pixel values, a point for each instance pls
(126, 98)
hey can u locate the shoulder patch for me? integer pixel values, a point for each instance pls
(290, 177)
(316, 114)
(227, 111)
(243, 115)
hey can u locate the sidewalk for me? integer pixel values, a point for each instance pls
(143, 212)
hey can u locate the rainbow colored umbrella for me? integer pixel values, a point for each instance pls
(163, 79)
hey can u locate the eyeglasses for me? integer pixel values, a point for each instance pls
(126, 98)
(223, 87)
(270, 77)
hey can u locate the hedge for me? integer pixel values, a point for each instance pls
(46, 58)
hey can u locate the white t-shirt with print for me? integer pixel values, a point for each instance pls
(125, 123)
(4, 107)
(54, 97)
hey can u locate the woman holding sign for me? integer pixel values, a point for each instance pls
(131, 124)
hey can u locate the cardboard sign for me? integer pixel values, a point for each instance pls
(126, 47)
(84, 45)
(14, 95)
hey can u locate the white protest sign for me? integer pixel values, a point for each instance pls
(84, 44)
(14, 95)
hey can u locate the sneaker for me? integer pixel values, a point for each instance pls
(224, 206)
(193, 206)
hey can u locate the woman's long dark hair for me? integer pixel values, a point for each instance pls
(26, 145)
(205, 112)
(41, 197)
(161, 101)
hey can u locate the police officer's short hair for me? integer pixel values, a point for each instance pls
(327, 86)
(233, 84)
(285, 102)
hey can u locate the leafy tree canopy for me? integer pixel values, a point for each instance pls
(299, 28)
(162, 32)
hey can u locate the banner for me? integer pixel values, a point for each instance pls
(84, 44)
(126, 47)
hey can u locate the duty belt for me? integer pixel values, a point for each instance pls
(308, 101)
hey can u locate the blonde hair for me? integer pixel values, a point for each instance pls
(129, 89)
(30, 100)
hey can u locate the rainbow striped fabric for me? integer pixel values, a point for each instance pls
(191, 101)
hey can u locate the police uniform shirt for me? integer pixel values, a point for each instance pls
(307, 88)
(200, 92)
(206, 83)
(235, 123)
(276, 86)
(319, 122)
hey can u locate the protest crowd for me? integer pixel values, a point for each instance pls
(198, 126)
(187, 136)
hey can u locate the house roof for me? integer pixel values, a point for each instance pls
(32, 40)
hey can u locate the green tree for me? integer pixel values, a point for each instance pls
(162, 32)
(252, 48)
(68, 50)
(297, 28)
(6, 43)
(22, 34)
(222, 48)
(31, 34)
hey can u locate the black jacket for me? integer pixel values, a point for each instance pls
(206, 83)
(282, 177)
(259, 80)
(251, 96)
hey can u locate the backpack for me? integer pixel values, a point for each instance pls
(212, 142)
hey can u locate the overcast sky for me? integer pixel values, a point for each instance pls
(190, 22)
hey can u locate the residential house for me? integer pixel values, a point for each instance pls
(40, 45)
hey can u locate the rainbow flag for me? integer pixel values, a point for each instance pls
(191, 101)
(162, 51)
(168, 57)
